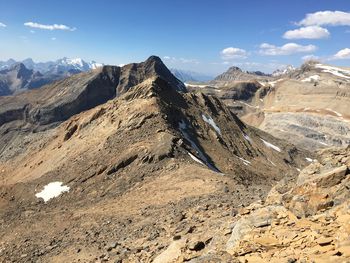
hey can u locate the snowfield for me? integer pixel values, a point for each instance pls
(339, 72)
(311, 78)
(52, 190)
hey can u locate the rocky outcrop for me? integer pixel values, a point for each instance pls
(306, 220)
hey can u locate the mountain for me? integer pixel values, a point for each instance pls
(190, 76)
(62, 65)
(237, 74)
(7, 64)
(90, 159)
(35, 75)
(308, 106)
(287, 70)
(18, 78)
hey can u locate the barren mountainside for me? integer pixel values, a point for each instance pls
(136, 155)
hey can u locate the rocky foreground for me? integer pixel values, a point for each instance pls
(303, 220)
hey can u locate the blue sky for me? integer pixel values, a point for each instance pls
(204, 36)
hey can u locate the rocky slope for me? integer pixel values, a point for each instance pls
(306, 219)
(131, 166)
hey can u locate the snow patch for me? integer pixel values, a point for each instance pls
(323, 143)
(273, 83)
(339, 72)
(195, 158)
(195, 85)
(271, 162)
(262, 83)
(270, 145)
(245, 162)
(311, 78)
(247, 137)
(183, 128)
(52, 190)
(335, 112)
(308, 159)
(211, 122)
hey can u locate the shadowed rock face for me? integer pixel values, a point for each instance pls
(18, 78)
(61, 100)
(151, 161)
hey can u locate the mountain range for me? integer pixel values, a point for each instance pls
(307, 106)
(129, 164)
(61, 65)
(125, 148)
(16, 77)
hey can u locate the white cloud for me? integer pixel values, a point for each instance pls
(310, 57)
(287, 49)
(309, 32)
(53, 38)
(332, 18)
(342, 54)
(233, 53)
(49, 27)
(2, 25)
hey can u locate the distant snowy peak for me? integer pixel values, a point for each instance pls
(284, 71)
(77, 64)
(61, 65)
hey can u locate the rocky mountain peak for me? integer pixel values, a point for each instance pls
(22, 71)
(234, 68)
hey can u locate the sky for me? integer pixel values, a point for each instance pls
(199, 35)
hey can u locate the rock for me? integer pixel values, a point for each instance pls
(176, 237)
(324, 241)
(196, 245)
(111, 246)
(259, 218)
(333, 177)
(172, 253)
